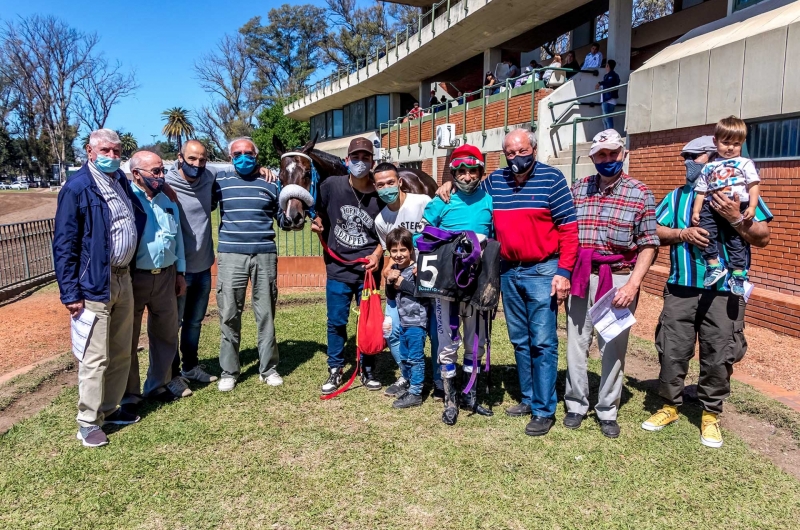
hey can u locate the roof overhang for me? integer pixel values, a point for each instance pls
(415, 3)
(485, 24)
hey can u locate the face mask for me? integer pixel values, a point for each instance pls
(244, 164)
(191, 172)
(520, 164)
(153, 184)
(107, 164)
(466, 187)
(358, 169)
(693, 170)
(389, 195)
(608, 169)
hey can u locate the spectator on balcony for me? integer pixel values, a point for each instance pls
(491, 84)
(609, 99)
(416, 112)
(555, 63)
(513, 70)
(571, 63)
(458, 100)
(434, 100)
(525, 79)
(594, 59)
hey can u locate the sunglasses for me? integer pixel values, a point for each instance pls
(157, 172)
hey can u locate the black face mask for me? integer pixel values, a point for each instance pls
(153, 184)
(192, 172)
(521, 164)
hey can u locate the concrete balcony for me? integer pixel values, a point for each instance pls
(469, 28)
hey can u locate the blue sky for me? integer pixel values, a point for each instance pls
(160, 39)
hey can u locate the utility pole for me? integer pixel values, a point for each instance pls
(154, 138)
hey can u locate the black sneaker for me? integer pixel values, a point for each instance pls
(397, 388)
(407, 400)
(610, 428)
(519, 410)
(369, 382)
(438, 394)
(334, 381)
(121, 417)
(539, 426)
(573, 420)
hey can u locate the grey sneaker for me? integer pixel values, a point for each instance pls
(407, 400)
(179, 387)
(92, 436)
(199, 375)
(397, 388)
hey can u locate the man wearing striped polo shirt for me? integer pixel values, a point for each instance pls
(534, 221)
(693, 312)
(246, 252)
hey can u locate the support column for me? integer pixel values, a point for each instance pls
(424, 93)
(394, 106)
(491, 57)
(620, 14)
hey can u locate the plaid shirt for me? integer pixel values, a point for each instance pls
(618, 220)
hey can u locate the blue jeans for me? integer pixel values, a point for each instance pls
(531, 320)
(338, 296)
(394, 340)
(192, 309)
(608, 108)
(412, 357)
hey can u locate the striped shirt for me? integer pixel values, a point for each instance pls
(617, 220)
(534, 221)
(247, 209)
(686, 264)
(120, 213)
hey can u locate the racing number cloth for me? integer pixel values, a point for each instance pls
(443, 268)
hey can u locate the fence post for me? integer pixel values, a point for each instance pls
(483, 114)
(505, 117)
(25, 253)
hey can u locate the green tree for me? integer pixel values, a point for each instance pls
(129, 144)
(178, 125)
(272, 122)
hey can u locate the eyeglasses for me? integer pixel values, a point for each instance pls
(156, 171)
(248, 153)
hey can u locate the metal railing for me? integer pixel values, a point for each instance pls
(390, 47)
(26, 251)
(298, 243)
(507, 89)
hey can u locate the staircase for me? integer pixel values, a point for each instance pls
(583, 164)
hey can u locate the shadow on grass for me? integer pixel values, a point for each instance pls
(293, 354)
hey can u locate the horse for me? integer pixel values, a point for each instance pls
(299, 187)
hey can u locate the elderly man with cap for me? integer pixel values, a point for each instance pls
(347, 206)
(693, 312)
(618, 241)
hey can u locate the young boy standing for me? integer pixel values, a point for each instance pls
(734, 175)
(413, 313)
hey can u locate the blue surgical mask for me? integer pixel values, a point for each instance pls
(107, 164)
(244, 164)
(389, 195)
(693, 170)
(358, 168)
(608, 169)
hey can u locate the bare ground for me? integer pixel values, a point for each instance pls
(19, 206)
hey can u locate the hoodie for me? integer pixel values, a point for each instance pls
(194, 203)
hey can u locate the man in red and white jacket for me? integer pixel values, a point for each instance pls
(535, 223)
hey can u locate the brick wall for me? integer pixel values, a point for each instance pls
(294, 272)
(775, 304)
(519, 111)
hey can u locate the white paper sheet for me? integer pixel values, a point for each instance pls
(610, 321)
(748, 290)
(81, 328)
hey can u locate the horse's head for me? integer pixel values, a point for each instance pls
(296, 195)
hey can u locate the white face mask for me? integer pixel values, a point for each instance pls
(358, 168)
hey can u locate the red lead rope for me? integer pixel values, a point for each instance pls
(352, 379)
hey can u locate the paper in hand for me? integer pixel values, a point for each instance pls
(81, 327)
(608, 320)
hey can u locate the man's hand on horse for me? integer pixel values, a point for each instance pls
(268, 175)
(316, 226)
(444, 191)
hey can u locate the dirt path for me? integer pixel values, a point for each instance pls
(19, 206)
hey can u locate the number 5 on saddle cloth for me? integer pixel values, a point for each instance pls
(459, 267)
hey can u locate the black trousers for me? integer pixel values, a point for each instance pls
(714, 224)
(715, 318)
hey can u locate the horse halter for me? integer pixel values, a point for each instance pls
(293, 191)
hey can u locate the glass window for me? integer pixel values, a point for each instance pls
(357, 115)
(381, 109)
(329, 123)
(346, 120)
(338, 132)
(370, 114)
(741, 4)
(774, 139)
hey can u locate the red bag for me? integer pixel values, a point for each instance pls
(369, 331)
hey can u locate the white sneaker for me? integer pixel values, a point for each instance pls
(179, 387)
(272, 379)
(199, 375)
(226, 384)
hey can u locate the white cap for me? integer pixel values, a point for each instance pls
(608, 139)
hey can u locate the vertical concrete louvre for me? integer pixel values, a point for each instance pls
(693, 90)
(791, 78)
(762, 89)
(620, 15)
(725, 72)
(665, 97)
(491, 57)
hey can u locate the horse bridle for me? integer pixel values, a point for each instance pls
(312, 175)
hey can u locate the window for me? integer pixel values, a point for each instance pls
(371, 114)
(382, 109)
(741, 4)
(774, 139)
(338, 131)
(357, 117)
(329, 124)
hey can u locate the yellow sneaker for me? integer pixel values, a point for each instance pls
(710, 433)
(663, 417)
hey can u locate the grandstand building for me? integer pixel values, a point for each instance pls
(703, 60)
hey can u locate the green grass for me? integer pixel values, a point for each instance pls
(262, 457)
(300, 243)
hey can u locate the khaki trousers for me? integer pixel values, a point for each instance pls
(103, 373)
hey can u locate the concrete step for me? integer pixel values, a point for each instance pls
(566, 159)
(581, 170)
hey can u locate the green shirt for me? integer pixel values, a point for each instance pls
(686, 264)
(463, 212)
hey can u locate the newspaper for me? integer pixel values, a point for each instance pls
(610, 321)
(81, 329)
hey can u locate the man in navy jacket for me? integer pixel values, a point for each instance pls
(96, 235)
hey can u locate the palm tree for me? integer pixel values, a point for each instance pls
(129, 144)
(178, 125)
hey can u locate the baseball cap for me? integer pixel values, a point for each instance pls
(360, 144)
(698, 146)
(608, 139)
(466, 155)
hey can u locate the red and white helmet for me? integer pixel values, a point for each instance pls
(466, 156)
